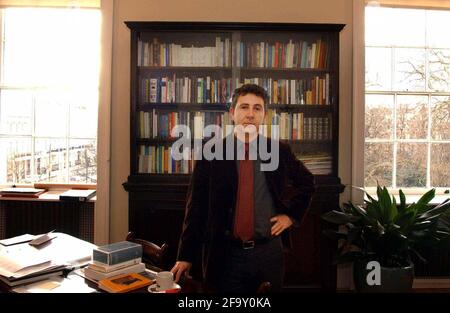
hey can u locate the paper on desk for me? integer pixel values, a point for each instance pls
(71, 284)
(17, 240)
(21, 260)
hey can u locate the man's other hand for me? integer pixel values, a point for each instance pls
(282, 222)
(180, 268)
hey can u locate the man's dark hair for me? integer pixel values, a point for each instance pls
(250, 88)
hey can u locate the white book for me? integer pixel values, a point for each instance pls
(313, 55)
(110, 268)
(96, 275)
(198, 126)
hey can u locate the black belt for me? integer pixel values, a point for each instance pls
(248, 244)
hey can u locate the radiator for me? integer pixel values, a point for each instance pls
(19, 217)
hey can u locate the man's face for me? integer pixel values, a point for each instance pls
(249, 110)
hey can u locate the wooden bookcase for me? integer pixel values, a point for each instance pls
(185, 73)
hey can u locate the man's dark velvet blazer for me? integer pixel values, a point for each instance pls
(211, 200)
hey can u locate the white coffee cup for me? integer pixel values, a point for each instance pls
(164, 280)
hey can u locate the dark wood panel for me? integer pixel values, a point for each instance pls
(37, 217)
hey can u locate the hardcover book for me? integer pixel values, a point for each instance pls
(116, 253)
(97, 275)
(110, 268)
(76, 195)
(124, 283)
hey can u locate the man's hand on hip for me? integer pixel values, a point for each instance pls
(282, 222)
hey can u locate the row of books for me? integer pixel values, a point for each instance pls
(298, 54)
(295, 91)
(158, 160)
(294, 126)
(225, 53)
(209, 90)
(291, 126)
(156, 53)
(158, 124)
(318, 163)
(186, 90)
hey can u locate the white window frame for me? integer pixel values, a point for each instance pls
(32, 135)
(358, 120)
(102, 204)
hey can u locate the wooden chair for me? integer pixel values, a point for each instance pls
(152, 254)
(264, 287)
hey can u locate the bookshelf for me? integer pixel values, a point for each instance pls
(185, 73)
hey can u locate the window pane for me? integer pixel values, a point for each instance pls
(379, 116)
(378, 164)
(378, 68)
(440, 118)
(440, 165)
(83, 161)
(412, 165)
(83, 114)
(399, 27)
(51, 114)
(15, 112)
(15, 160)
(409, 69)
(439, 70)
(61, 48)
(412, 117)
(438, 24)
(50, 160)
(379, 24)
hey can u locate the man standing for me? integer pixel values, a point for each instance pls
(236, 212)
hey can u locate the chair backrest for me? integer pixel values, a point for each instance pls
(152, 254)
(264, 287)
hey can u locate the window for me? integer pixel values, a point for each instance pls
(49, 94)
(407, 112)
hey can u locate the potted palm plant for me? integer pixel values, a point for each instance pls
(384, 233)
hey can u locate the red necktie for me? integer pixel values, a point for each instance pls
(243, 225)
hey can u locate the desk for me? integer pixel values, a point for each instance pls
(76, 253)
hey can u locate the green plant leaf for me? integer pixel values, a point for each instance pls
(422, 204)
(393, 211)
(402, 201)
(404, 220)
(384, 199)
(437, 210)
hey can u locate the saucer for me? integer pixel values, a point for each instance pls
(155, 289)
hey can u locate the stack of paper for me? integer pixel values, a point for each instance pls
(23, 263)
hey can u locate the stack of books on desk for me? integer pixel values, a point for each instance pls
(114, 260)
